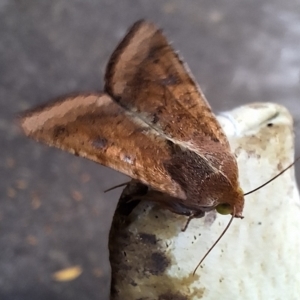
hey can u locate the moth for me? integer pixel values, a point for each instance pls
(152, 123)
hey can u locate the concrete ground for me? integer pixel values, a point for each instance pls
(53, 213)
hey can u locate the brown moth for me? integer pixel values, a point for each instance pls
(153, 124)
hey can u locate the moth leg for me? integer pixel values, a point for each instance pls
(192, 216)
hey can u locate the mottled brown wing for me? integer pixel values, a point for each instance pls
(146, 77)
(93, 126)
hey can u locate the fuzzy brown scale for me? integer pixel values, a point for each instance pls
(100, 143)
(151, 123)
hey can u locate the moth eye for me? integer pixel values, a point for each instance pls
(224, 209)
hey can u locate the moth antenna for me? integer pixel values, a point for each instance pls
(216, 242)
(116, 186)
(280, 173)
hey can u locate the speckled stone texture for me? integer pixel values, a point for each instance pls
(53, 213)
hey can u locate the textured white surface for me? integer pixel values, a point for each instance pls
(258, 258)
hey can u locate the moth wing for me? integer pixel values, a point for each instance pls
(147, 78)
(93, 126)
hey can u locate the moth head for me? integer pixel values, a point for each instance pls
(234, 206)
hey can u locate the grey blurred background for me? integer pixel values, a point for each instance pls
(53, 213)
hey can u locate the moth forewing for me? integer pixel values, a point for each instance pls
(144, 70)
(94, 127)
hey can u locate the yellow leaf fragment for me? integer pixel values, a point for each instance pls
(67, 274)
